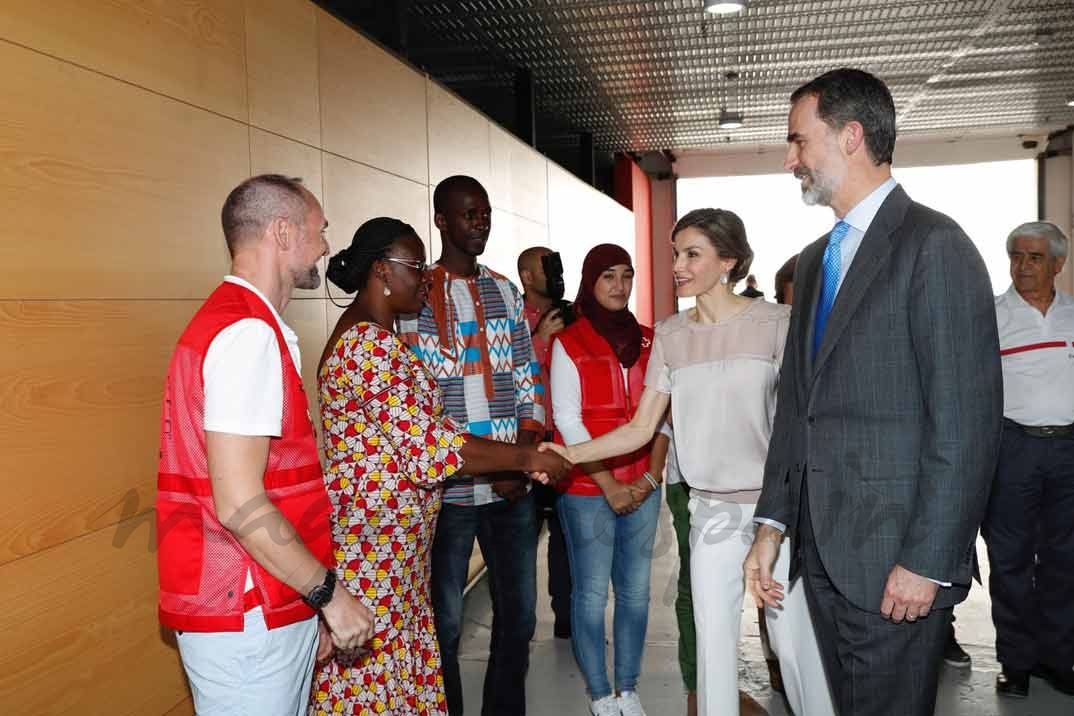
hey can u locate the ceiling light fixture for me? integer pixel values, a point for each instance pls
(724, 7)
(730, 120)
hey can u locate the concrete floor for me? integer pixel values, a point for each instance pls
(555, 687)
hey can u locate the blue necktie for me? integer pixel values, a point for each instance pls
(830, 268)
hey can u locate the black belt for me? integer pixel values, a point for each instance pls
(1042, 431)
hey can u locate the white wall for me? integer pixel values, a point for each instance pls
(579, 218)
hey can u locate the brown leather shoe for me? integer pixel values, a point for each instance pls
(747, 706)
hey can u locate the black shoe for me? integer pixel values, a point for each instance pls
(955, 655)
(1059, 680)
(775, 676)
(562, 629)
(1012, 682)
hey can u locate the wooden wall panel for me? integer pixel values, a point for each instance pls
(109, 191)
(372, 105)
(458, 139)
(511, 235)
(183, 708)
(354, 193)
(506, 240)
(307, 318)
(192, 50)
(434, 241)
(79, 414)
(270, 153)
(519, 177)
(281, 57)
(81, 633)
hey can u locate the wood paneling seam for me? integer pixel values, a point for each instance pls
(150, 90)
(382, 170)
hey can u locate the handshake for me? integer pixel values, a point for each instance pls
(547, 463)
(622, 497)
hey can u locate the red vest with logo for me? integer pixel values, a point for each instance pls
(606, 402)
(202, 566)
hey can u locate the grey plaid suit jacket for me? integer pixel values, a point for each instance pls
(895, 426)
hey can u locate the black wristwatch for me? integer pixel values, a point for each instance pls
(321, 595)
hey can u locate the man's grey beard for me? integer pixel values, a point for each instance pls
(309, 280)
(818, 192)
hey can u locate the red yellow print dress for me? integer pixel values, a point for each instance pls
(387, 446)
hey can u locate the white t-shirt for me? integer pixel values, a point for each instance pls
(243, 377)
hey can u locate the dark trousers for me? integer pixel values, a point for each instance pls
(507, 534)
(559, 568)
(874, 666)
(1029, 530)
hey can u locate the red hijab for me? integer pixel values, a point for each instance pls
(619, 328)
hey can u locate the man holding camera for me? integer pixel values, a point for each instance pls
(540, 271)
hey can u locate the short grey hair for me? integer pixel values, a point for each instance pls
(1058, 246)
(253, 204)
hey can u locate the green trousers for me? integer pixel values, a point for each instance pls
(678, 497)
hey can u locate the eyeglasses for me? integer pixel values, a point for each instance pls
(418, 265)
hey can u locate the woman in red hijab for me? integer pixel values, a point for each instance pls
(610, 509)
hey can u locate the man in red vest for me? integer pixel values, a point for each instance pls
(244, 547)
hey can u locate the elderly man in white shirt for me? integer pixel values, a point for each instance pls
(1029, 527)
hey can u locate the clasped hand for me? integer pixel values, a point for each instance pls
(626, 497)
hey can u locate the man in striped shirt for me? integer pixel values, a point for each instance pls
(473, 337)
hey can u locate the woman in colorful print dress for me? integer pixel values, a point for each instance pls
(388, 446)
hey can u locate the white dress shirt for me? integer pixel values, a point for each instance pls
(859, 218)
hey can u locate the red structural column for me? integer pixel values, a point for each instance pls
(632, 190)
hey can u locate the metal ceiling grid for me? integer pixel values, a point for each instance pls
(653, 75)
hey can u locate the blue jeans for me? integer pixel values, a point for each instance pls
(507, 533)
(607, 547)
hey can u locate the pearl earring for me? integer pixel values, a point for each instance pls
(724, 278)
(387, 291)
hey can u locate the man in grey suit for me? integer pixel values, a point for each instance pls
(890, 401)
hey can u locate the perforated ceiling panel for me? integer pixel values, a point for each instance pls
(654, 75)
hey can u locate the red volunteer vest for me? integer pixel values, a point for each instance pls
(202, 566)
(606, 404)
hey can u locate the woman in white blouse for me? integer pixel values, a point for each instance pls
(718, 365)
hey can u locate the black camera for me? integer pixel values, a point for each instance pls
(554, 288)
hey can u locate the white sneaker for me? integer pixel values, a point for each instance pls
(606, 706)
(630, 704)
